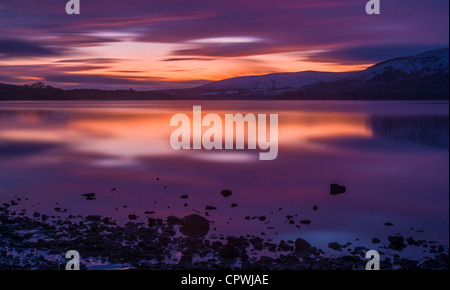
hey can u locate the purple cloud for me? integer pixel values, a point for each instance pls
(91, 60)
(370, 54)
(10, 48)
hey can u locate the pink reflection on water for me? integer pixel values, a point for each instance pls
(54, 152)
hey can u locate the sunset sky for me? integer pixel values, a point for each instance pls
(158, 44)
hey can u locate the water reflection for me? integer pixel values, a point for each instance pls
(427, 129)
(136, 132)
(56, 151)
(16, 149)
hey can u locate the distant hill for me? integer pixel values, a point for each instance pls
(423, 76)
(420, 77)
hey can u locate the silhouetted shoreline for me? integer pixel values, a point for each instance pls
(41, 241)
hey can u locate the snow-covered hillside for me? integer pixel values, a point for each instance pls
(412, 68)
(422, 65)
(273, 82)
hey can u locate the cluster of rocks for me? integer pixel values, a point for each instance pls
(38, 241)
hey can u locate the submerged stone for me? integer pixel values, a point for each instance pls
(336, 189)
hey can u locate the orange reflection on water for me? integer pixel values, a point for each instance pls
(302, 128)
(125, 136)
(134, 132)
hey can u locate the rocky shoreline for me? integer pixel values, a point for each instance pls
(39, 241)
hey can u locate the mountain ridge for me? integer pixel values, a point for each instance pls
(425, 68)
(423, 76)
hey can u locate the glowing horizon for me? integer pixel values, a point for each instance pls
(159, 45)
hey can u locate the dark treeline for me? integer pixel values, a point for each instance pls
(40, 91)
(340, 90)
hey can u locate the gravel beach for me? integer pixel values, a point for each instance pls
(39, 241)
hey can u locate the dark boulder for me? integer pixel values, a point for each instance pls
(194, 225)
(229, 252)
(397, 243)
(335, 246)
(226, 193)
(132, 216)
(173, 220)
(336, 189)
(410, 241)
(301, 245)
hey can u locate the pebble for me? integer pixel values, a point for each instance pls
(226, 193)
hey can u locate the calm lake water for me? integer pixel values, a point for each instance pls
(393, 157)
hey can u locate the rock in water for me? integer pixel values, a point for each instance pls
(335, 246)
(132, 217)
(226, 193)
(173, 220)
(229, 252)
(89, 196)
(194, 225)
(410, 241)
(396, 243)
(301, 245)
(336, 189)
